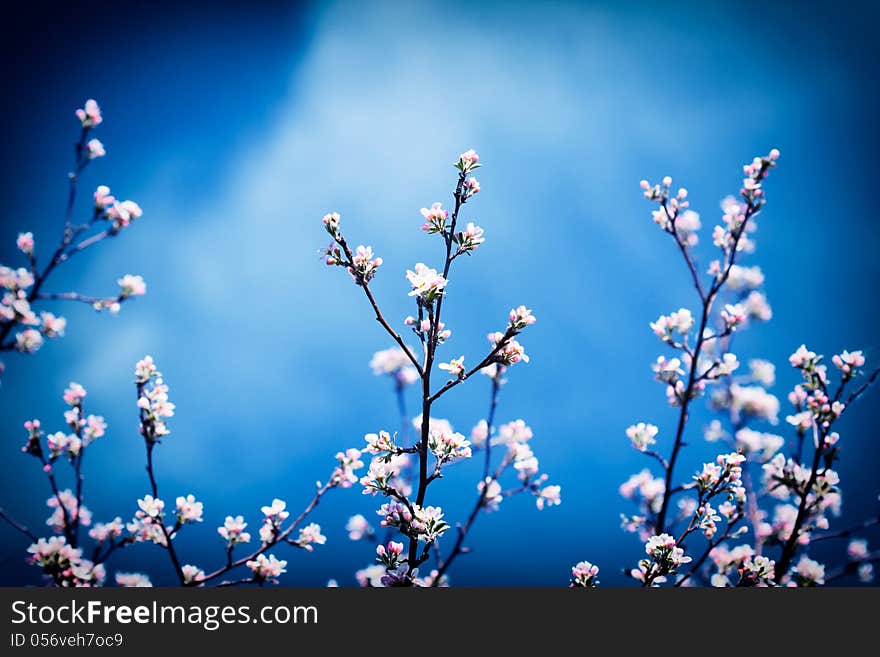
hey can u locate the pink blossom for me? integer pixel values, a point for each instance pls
(145, 369)
(490, 490)
(90, 115)
(188, 509)
(455, 367)
(132, 286)
(275, 513)
(150, 507)
(428, 523)
(480, 433)
(426, 282)
(435, 218)
(348, 462)
(642, 435)
(548, 496)
(857, 549)
(379, 443)
(520, 317)
(448, 446)
(365, 264)
(103, 531)
(468, 161)
(103, 198)
(396, 363)
(122, 214)
(233, 532)
(470, 238)
(511, 351)
(583, 575)
(52, 326)
(95, 149)
(848, 361)
(471, 187)
(358, 527)
(514, 432)
(133, 580)
(310, 535)
(802, 358)
(74, 394)
(267, 568)
(808, 572)
(25, 243)
(28, 341)
(331, 223)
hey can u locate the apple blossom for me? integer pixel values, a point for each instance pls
(468, 161)
(471, 187)
(28, 341)
(435, 219)
(192, 573)
(131, 286)
(583, 575)
(267, 568)
(396, 363)
(25, 243)
(548, 496)
(331, 223)
(520, 317)
(848, 362)
(455, 367)
(358, 527)
(426, 283)
(470, 238)
(808, 572)
(90, 114)
(122, 214)
(490, 493)
(133, 580)
(642, 435)
(857, 549)
(95, 149)
(233, 532)
(448, 446)
(514, 432)
(349, 461)
(150, 507)
(310, 535)
(52, 325)
(188, 509)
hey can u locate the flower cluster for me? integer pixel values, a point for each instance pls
(309, 536)
(24, 329)
(267, 568)
(448, 446)
(358, 527)
(155, 408)
(233, 531)
(395, 363)
(427, 284)
(64, 564)
(642, 435)
(583, 575)
(802, 485)
(664, 557)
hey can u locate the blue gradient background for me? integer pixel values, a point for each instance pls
(236, 129)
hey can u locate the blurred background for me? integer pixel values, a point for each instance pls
(237, 127)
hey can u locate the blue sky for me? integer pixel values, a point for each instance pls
(236, 130)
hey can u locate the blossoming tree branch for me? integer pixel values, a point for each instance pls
(21, 328)
(64, 557)
(420, 524)
(748, 518)
(778, 496)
